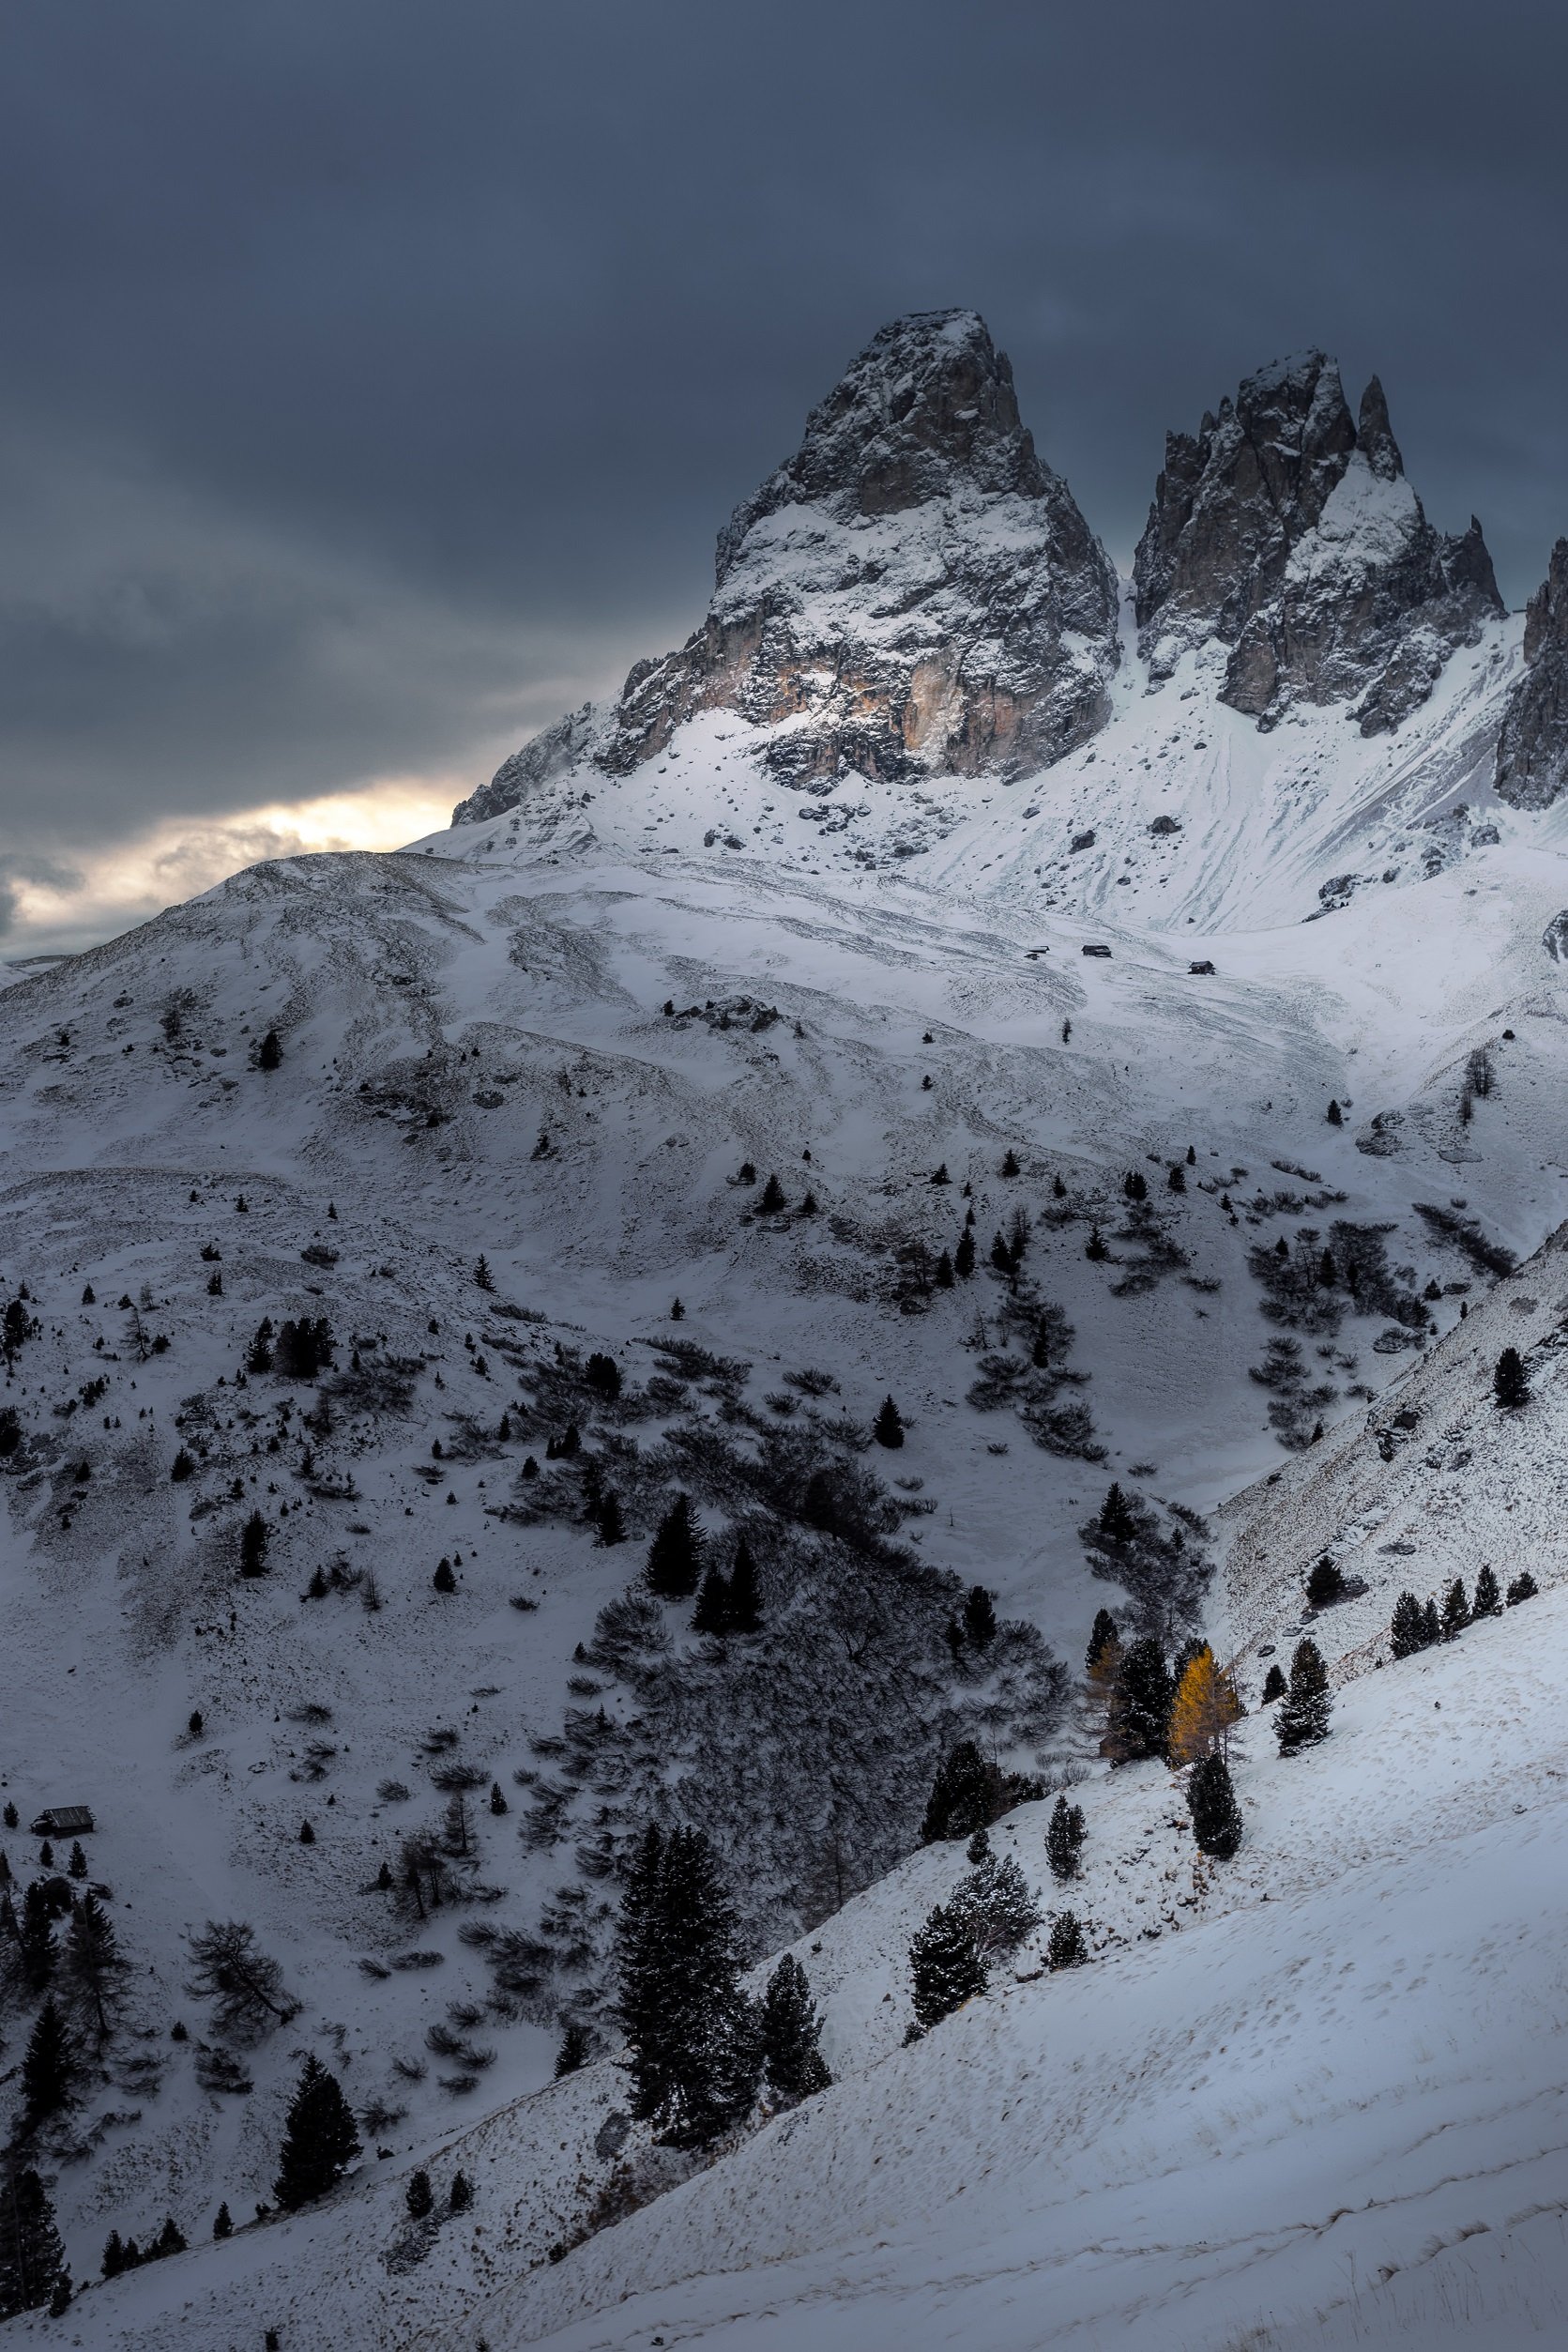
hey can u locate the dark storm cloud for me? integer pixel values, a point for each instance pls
(376, 376)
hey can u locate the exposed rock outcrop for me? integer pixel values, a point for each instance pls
(915, 591)
(1285, 529)
(1532, 749)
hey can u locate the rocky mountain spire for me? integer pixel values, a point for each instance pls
(913, 592)
(1532, 748)
(1286, 530)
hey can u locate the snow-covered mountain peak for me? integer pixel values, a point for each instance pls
(914, 592)
(1285, 530)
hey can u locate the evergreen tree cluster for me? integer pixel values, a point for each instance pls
(124, 2253)
(1163, 1569)
(1421, 1624)
(969, 1792)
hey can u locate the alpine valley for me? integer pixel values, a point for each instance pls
(976, 1094)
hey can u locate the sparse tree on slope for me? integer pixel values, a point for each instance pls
(1064, 1839)
(321, 2140)
(32, 2259)
(1510, 1380)
(1303, 1714)
(1212, 1802)
(791, 2030)
(1205, 1707)
(944, 1965)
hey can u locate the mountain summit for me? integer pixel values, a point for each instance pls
(913, 591)
(1286, 531)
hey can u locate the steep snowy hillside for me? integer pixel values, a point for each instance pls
(1312, 2095)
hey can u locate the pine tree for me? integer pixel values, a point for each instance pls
(675, 1556)
(254, 1538)
(963, 1796)
(321, 2140)
(772, 1198)
(420, 2197)
(745, 1594)
(1325, 1583)
(1011, 1164)
(77, 1866)
(610, 1520)
(47, 2067)
(964, 1255)
(887, 1427)
(791, 2029)
(1095, 1246)
(1302, 1719)
(1335, 1116)
(91, 1959)
(270, 1053)
(1103, 1637)
(712, 1612)
(32, 2259)
(1212, 1802)
(171, 2239)
(36, 1938)
(691, 2035)
(1431, 1625)
(1510, 1380)
(1140, 1707)
(1408, 1627)
(946, 1968)
(979, 1618)
(1001, 1257)
(1064, 1838)
(444, 1580)
(1205, 1707)
(574, 2051)
(114, 2261)
(944, 1276)
(1117, 1522)
(1274, 1684)
(1523, 1587)
(995, 1899)
(1489, 1599)
(1456, 1611)
(222, 2223)
(1068, 1947)
(483, 1278)
(459, 2196)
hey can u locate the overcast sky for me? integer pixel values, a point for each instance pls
(376, 374)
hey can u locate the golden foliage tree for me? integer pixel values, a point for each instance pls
(1205, 1706)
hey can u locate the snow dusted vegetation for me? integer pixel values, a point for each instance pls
(1173, 1133)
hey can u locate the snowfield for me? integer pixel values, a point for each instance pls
(1311, 2097)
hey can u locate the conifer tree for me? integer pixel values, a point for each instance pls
(1510, 1380)
(1325, 1583)
(791, 2029)
(610, 1520)
(1011, 1163)
(223, 2222)
(46, 2068)
(459, 2196)
(1523, 1587)
(1103, 1637)
(321, 2140)
(995, 1899)
(944, 1965)
(113, 2254)
(1064, 1839)
(1212, 1802)
(1140, 1705)
(1431, 1625)
(964, 1255)
(254, 1538)
(444, 1580)
(675, 1556)
(420, 2197)
(270, 1053)
(1489, 1599)
(979, 1618)
(574, 2051)
(32, 2259)
(745, 1593)
(483, 1278)
(945, 1276)
(1303, 1714)
(171, 2239)
(1456, 1611)
(712, 1612)
(1205, 1707)
(1335, 1116)
(772, 1197)
(887, 1427)
(1095, 1246)
(692, 2034)
(36, 1938)
(1001, 1257)
(1408, 1627)
(91, 1959)
(1274, 1684)
(1068, 1947)
(963, 1796)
